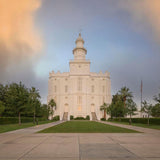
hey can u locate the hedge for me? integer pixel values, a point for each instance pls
(138, 120)
(79, 118)
(56, 118)
(14, 120)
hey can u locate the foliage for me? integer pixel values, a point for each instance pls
(120, 103)
(14, 120)
(131, 108)
(156, 107)
(104, 109)
(157, 98)
(52, 107)
(71, 117)
(34, 101)
(125, 94)
(147, 108)
(79, 118)
(56, 118)
(87, 117)
(103, 119)
(156, 110)
(18, 100)
(154, 121)
(2, 108)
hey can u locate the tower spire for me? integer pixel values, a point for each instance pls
(79, 52)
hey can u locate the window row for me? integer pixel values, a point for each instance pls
(80, 88)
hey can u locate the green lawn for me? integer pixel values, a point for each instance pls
(139, 125)
(85, 127)
(11, 127)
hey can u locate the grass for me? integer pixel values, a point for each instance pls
(86, 127)
(151, 126)
(11, 127)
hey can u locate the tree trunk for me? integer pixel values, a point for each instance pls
(105, 114)
(19, 118)
(130, 120)
(148, 119)
(124, 102)
(34, 117)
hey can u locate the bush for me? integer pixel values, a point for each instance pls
(56, 118)
(79, 118)
(103, 119)
(155, 121)
(14, 120)
(71, 117)
(87, 117)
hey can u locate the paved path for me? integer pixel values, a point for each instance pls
(25, 144)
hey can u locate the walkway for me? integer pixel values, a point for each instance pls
(25, 144)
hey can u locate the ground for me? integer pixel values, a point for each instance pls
(26, 144)
(11, 127)
(86, 127)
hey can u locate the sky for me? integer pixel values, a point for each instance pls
(121, 36)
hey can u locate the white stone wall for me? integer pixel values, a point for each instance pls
(79, 92)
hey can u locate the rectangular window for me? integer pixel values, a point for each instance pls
(103, 89)
(79, 100)
(55, 89)
(92, 89)
(79, 84)
(66, 89)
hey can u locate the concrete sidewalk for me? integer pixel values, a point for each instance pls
(25, 144)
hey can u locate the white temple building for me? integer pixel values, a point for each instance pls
(79, 92)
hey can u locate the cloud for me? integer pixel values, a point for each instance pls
(19, 39)
(145, 16)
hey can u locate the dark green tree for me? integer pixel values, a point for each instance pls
(34, 102)
(147, 108)
(125, 94)
(52, 107)
(2, 108)
(17, 98)
(104, 109)
(131, 108)
(156, 110)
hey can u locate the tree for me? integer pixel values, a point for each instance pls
(2, 108)
(157, 98)
(116, 108)
(131, 108)
(156, 110)
(125, 94)
(17, 98)
(104, 108)
(147, 108)
(52, 106)
(34, 101)
(44, 111)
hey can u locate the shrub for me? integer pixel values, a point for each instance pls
(138, 120)
(71, 117)
(103, 119)
(79, 118)
(14, 120)
(87, 117)
(56, 118)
